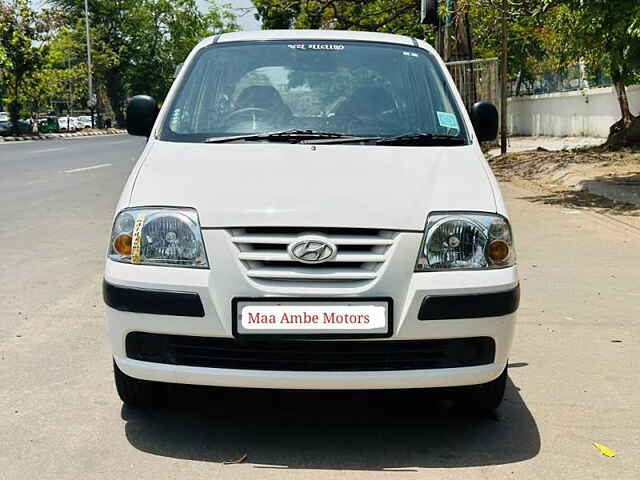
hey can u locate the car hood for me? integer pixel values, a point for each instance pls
(269, 184)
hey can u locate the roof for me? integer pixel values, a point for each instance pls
(344, 35)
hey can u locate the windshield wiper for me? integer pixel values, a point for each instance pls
(423, 139)
(415, 139)
(283, 136)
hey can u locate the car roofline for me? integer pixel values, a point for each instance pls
(321, 35)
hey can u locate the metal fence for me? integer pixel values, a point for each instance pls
(476, 80)
(567, 79)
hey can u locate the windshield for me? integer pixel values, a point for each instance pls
(350, 88)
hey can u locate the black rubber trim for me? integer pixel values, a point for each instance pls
(470, 306)
(310, 355)
(158, 302)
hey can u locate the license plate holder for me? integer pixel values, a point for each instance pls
(352, 324)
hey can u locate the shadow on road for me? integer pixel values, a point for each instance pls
(594, 194)
(331, 430)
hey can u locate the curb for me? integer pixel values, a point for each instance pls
(52, 136)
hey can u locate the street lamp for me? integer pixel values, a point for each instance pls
(92, 101)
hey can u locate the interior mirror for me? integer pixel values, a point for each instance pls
(142, 111)
(485, 120)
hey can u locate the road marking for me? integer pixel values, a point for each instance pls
(49, 150)
(18, 142)
(84, 169)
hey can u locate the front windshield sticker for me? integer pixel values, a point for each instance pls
(448, 120)
(315, 46)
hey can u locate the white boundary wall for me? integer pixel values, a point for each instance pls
(587, 113)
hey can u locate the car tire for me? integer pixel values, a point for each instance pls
(484, 398)
(139, 393)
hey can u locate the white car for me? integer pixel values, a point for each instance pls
(84, 121)
(4, 116)
(312, 211)
(67, 124)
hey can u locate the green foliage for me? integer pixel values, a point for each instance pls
(602, 33)
(21, 55)
(390, 16)
(528, 36)
(402, 17)
(137, 44)
(168, 30)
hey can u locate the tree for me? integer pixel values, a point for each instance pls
(390, 16)
(170, 30)
(137, 44)
(64, 74)
(528, 38)
(22, 56)
(512, 31)
(606, 36)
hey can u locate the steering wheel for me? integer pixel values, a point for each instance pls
(255, 110)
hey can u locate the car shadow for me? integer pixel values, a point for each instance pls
(360, 430)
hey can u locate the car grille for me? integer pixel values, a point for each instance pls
(361, 254)
(310, 355)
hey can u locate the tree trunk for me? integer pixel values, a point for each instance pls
(518, 84)
(626, 131)
(14, 105)
(116, 94)
(623, 100)
(503, 79)
(621, 135)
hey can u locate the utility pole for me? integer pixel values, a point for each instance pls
(91, 101)
(503, 80)
(70, 99)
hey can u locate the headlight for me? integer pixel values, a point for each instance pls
(466, 241)
(158, 236)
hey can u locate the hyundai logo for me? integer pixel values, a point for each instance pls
(312, 249)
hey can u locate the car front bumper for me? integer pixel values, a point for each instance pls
(493, 292)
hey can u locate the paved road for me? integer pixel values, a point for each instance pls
(574, 377)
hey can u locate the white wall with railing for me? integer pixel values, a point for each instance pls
(587, 113)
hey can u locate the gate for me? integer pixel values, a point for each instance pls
(477, 80)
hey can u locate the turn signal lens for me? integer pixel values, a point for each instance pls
(122, 244)
(498, 251)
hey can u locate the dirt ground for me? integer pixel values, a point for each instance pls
(605, 182)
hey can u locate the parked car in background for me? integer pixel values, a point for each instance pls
(4, 116)
(6, 128)
(84, 121)
(67, 124)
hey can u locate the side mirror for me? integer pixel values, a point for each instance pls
(485, 120)
(142, 112)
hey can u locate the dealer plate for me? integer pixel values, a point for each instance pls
(324, 318)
